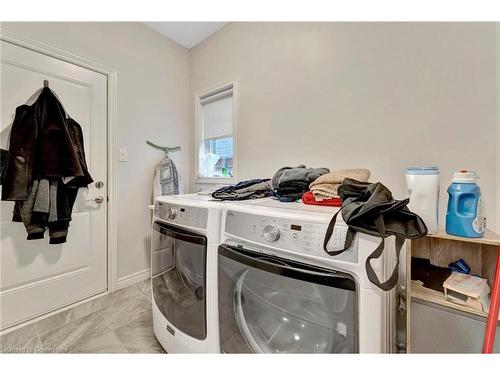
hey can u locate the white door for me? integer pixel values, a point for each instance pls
(35, 277)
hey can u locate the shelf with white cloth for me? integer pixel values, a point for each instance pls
(483, 257)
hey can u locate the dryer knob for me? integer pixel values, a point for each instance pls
(271, 233)
(171, 213)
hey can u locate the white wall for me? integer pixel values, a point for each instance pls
(377, 95)
(152, 104)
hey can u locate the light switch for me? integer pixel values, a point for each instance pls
(122, 155)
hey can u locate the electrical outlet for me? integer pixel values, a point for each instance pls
(122, 155)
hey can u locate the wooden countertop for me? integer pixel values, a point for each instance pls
(489, 237)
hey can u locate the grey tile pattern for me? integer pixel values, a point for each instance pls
(125, 311)
(104, 343)
(120, 322)
(64, 317)
(144, 287)
(23, 340)
(138, 334)
(75, 334)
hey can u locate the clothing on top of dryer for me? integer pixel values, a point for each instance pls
(166, 179)
(289, 183)
(308, 198)
(325, 186)
(291, 191)
(298, 173)
(244, 190)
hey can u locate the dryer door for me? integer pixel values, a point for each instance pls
(271, 305)
(178, 263)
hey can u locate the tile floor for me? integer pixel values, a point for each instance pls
(120, 322)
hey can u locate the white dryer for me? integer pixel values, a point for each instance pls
(184, 240)
(280, 292)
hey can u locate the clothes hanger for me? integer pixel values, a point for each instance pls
(166, 150)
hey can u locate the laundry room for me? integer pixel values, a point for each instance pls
(274, 183)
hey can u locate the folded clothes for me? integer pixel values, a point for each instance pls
(289, 183)
(326, 185)
(308, 198)
(250, 189)
(291, 191)
(299, 173)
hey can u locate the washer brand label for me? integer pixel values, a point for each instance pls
(170, 330)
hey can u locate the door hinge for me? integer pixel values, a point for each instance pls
(402, 300)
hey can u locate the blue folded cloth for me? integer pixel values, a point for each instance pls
(459, 266)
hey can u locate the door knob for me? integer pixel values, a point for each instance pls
(99, 199)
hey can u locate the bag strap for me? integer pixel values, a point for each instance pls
(370, 272)
(328, 235)
(329, 231)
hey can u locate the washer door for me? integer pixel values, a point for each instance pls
(178, 263)
(271, 305)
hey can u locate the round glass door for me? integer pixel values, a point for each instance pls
(277, 314)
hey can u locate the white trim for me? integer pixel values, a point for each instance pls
(215, 180)
(112, 181)
(111, 75)
(220, 87)
(125, 281)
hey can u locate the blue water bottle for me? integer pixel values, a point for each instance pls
(465, 215)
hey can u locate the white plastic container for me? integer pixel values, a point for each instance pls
(423, 190)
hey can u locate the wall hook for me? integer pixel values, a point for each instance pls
(165, 149)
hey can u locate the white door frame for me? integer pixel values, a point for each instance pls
(111, 75)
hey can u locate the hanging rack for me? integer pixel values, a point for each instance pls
(165, 149)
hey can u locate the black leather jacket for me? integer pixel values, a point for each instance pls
(43, 144)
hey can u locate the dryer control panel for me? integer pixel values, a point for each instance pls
(195, 217)
(289, 234)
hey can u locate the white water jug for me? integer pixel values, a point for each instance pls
(423, 190)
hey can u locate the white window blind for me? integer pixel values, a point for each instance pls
(218, 115)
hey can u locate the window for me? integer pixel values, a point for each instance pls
(216, 124)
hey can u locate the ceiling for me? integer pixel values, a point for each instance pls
(187, 34)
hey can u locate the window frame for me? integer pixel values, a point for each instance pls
(199, 96)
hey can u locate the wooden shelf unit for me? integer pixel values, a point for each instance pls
(430, 295)
(442, 249)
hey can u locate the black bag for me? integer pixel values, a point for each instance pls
(370, 208)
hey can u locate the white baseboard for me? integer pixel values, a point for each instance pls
(125, 281)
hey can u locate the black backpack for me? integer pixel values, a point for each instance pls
(370, 208)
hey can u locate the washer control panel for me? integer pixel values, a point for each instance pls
(289, 234)
(196, 217)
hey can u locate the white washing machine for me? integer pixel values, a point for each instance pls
(279, 292)
(185, 237)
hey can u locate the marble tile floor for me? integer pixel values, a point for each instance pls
(120, 322)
